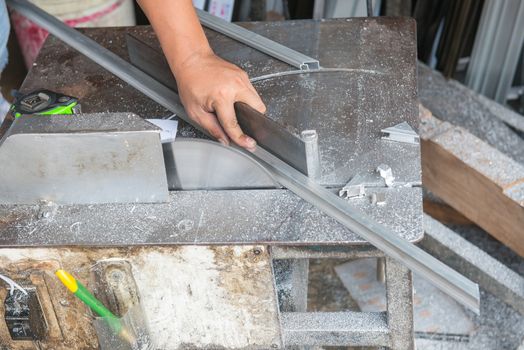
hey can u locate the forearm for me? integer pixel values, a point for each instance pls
(178, 29)
(208, 86)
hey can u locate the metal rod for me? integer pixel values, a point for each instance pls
(443, 277)
(318, 9)
(381, 270)
(314, 168)
(257, 41)
(369, 5)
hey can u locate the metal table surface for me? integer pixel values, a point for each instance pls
(374, 88)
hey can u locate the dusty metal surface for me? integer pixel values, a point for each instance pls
(268, 134)
(202, 217)
(329, 101)
(357, 328)
(256, 41)
(88, 158)
(377, 86)
(221, 297)
(387, 64)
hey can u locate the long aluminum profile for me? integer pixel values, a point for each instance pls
(443, 277)
(258, 42)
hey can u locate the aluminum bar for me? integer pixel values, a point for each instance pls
(257, 41)
(443, 277)
(347, 328)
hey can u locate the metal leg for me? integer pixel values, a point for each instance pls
(318, 9)
(381, 270)
(399, 292)
(291, 276)
(306, 330)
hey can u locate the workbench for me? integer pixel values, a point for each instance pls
(371, 85)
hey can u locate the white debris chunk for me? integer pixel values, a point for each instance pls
(354, 188)
(386, 173)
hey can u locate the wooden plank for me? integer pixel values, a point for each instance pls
(474, 178)
(444, 213)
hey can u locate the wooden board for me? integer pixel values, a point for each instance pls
(480, 182)
(444, 213)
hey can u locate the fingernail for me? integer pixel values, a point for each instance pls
(224, 142)
(250, 142)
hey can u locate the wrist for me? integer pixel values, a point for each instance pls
(179, 64)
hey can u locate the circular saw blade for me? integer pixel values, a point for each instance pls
(197, 164)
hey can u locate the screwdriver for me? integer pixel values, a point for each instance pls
(94, 304)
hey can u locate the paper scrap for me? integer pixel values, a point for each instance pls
(169, 129)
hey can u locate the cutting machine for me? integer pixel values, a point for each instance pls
(210, 243)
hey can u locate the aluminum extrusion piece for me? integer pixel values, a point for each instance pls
(194, 164)
(314, 167)
(402, 132)
(258, 42)
(443, 277)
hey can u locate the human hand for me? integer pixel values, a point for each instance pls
(208, 87)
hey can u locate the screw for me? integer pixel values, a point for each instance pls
(185, 225)
(117, 275)
(257, 251)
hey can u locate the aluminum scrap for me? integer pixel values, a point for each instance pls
(401, 132)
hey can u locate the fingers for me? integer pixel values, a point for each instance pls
(251, 97)
(210, 123)
(225, 112)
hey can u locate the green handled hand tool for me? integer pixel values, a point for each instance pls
(44, 102)
(94, 304)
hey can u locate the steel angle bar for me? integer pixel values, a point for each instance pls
(439, 274)
(257, 41)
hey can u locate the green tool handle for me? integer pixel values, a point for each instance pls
(94, 304)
